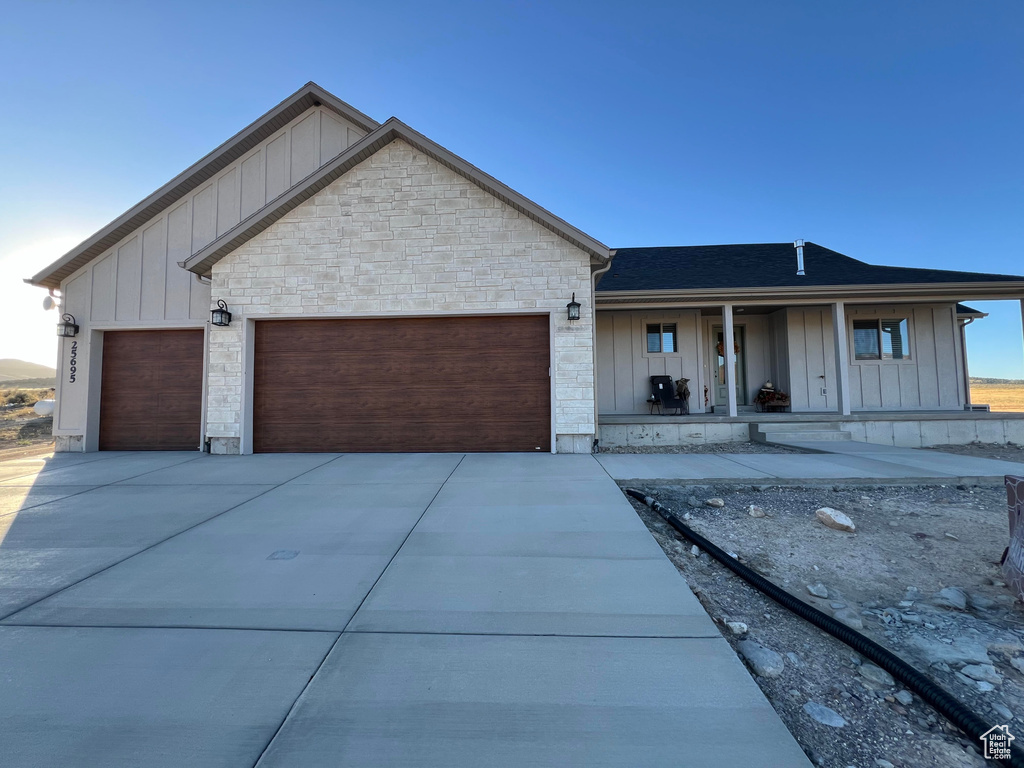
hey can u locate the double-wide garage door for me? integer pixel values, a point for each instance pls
(423, 384)
(151, 395)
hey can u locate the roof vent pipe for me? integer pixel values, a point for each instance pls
(799, 245)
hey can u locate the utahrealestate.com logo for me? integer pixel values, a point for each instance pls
(997, 742)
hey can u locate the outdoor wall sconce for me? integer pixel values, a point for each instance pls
(67, 328)
(220, 315)
(574, 308)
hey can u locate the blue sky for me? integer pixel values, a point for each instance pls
(887, 131)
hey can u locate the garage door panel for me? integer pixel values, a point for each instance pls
(424, 384)
(151, 390)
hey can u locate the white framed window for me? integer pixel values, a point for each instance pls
(881, 339)
(662, 338)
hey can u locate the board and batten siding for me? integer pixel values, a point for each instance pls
(931, 378)
(624, 367)
(137, 283)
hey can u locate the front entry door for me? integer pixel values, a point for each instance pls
(721, 377)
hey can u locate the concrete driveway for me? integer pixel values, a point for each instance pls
(357, 610)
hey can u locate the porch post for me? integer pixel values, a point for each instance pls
(729, 347)
(842, 358)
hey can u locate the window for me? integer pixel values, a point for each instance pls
(661, 337)
(880, 340)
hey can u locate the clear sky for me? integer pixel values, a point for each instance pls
(891, 132)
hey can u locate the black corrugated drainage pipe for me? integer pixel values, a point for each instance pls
(929, 691)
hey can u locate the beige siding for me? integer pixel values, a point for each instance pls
(929, 379)
(624, 367)
(138, 281)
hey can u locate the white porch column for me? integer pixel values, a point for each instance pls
(729, 347)
(842, 358)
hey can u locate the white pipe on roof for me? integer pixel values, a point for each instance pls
(799, 245)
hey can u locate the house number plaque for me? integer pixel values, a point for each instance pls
(73, 366)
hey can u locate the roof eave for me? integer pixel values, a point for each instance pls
(196, 174)
(918, 291)
(203, 260)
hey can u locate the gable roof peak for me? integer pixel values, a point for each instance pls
(309, 95)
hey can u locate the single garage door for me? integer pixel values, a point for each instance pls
(416, 384)
(152, 390)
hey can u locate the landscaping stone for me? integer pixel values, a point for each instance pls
(835, 519)
(960, 651)
(715, 502)
(763, 661)
(818, 589)
(824, 715)
(737, 627)
(984, 672)
(951, 597)
(849, 617)
(876, 675)
(906, 698)
(755, 511)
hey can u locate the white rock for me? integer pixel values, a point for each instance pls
(716, 502)
(984, 672)
(985, 687)
(849, 617)
(763, 661)
(695, 550)
(755, 511)
(906, 698)
(951, 597)
(880, 763)
(824, 715)
(876, 675)
(960, 651)
(1018, 664)
(818, 589)
(737, 627)
(835, 519)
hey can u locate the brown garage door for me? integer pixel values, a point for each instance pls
(152, 393)
(424, 384)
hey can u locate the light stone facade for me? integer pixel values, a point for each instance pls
(402, 235)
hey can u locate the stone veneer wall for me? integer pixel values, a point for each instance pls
(402, 234)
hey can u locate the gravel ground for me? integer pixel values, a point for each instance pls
(1005, 451)
(910, 543)
(745, 447)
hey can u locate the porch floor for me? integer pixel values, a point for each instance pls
(753, 417)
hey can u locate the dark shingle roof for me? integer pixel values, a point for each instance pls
(766, 265)
(963, 309)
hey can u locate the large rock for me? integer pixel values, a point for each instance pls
(951, 597)
(835, 519)
(960, 651)
(755, 511)
(818, 590)
(763, 661)
(876, 675)
(715, 502)
(850, 618)
(824, 715)
(984, 672)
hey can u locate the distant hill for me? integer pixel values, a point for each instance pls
(14, 370)
(997, 382)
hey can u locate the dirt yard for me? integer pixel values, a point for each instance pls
(910, 543)
(22, 431)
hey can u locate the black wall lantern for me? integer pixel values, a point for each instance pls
(220, 316)
(574, 308)
(67, 327)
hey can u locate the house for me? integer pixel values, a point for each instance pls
(324, 282)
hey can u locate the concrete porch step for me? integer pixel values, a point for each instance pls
(789, 432)
(806, 435)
